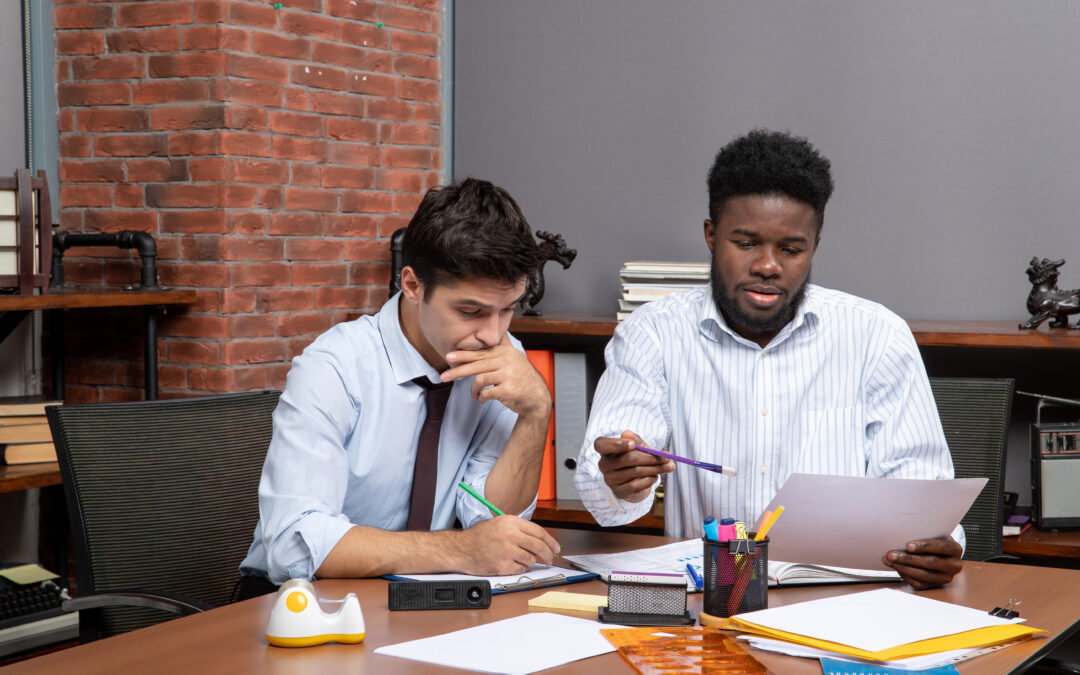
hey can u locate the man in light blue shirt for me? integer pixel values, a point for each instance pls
(335, 492)
(762, 371)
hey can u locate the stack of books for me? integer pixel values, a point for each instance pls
(24, 432)
(642, 281)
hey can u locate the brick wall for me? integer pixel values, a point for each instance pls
(271, 151)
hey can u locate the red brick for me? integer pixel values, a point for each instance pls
(380, 62)
(374, 85)
(273, 44)
(401, 17)
(387, 109)
(313, 249)
(416, 158)
(339, 54)
(312, 323)
(235, 302)
(237, 196)
(82, 16)
(298, 124)
(195, 221)
(202, 116)
(208, 169)
(406, 203)
(132, 145)
(255, 351)
(257, 68)
(319, 274)
(369, 273)
(157, 170)
(236, 39)
(276, 375)
(92, 171)
(300, 199)
(321, 77)
(114, 221)
(239, 144)
(209, 379)
(386, 133)
(63, 70)
(66, 120)
(297, 99)
(287, 147)
(250, 14)
(429, 113)
(246, 117)
(205, 301)
(83, 271)
(352, 9)
(247, 222)
(112, 119)
(258, 171)
(351, 129)
(252, 248)
(334, 103)
(194, 351)
(430, 5)
(169, 376)
(270, 198)
(349, 298)
(109, 68)
(428, 45)
(189, 274)
(354, 153)
(153, 13)
(295, 224)
(85, 195)
(298, 345)
(80, 43)
(396, 180)
(183, 196)
(365, 36)
(144, 40)
(351, 226)
(211, 11)
(131, 197)
(348, 177)
(198, 38)
(201, 248)
(367, 250)
(366, 202)
(251, 91)
(250, 378)
(410, 134)
(419, 90)
(171, 91)
(168, 247)
(74, 146)
(197, 143)
(306, 24)
(114, 93)
(306, 5)
(197, 64)
(290, 300)
(306, 174)
(416, 66)
(261, 274)
(199, 326)
(250, 326)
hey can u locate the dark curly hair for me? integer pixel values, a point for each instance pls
(770, 162)
(469, 229)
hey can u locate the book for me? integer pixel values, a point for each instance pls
(544, 362)
(24, 405)
(25, 433)
(27, 453)
(663, 266)
(1015, 525)
(571, 415)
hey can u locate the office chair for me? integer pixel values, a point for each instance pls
(975, 416)
(163, 500)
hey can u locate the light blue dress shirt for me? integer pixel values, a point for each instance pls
(840, 390)
(344, 446)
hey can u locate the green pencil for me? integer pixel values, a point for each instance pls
(474, 493)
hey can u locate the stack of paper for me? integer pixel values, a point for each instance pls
(643, 281)
(881, 625)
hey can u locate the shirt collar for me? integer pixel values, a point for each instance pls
(405, 361)
(712, 323)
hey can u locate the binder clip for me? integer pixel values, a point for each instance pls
(1008, 611)
(646, 599)
(297, 620)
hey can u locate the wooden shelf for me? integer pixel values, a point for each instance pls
(75, 299)
(1043, 544)
(15, 477)
(572, 513)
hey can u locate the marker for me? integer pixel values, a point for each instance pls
(716, 468)
(712, 530)
(698, 581)
(474, 493)
(764, 530)
(727, 529)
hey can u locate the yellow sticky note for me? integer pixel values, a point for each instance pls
(578, 602)
(27, 574)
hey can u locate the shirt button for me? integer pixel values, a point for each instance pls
(763, 469)
(764, 412)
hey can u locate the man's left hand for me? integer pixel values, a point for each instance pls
(504, 374)
(927, 563)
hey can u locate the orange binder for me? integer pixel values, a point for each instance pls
(544, 362)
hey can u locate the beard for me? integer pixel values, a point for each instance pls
(738, 319)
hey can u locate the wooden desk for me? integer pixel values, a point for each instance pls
(1043, 544)
(231, 639)
(13, 308)
(15, 477)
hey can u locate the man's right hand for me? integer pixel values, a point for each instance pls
(629, 473)
(504, 545)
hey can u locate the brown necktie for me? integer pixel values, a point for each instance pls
(422, 501)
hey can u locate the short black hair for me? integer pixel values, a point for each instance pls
(770, 162)
(469, 229)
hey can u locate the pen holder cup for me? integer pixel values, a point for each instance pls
(736, 576)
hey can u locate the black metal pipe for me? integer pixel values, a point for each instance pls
(397, 240)
(141, 241)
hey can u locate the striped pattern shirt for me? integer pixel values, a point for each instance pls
(840, 390)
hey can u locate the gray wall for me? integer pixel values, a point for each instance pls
(952, 128)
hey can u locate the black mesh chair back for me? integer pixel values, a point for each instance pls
(975, 416)
(162, 497)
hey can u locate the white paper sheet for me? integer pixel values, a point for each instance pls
(848, 521)
(874, 620)
(522, 644)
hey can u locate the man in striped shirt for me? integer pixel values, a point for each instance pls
(762, 371)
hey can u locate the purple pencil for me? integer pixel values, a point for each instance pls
(726, 470)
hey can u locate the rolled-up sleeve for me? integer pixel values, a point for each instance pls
(491, 438)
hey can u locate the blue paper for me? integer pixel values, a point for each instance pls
(838, 667)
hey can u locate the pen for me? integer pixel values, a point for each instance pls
(769, 523)
(698, 581)
(726, 470)
(712, 530)
(474, 493)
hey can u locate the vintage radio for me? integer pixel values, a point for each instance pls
(1055, 470)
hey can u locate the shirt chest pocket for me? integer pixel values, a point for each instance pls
(832, 442)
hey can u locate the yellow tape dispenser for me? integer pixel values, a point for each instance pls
(297, 620)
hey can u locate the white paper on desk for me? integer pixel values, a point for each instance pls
(924, 662)
(523, 644)
(849, 521)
